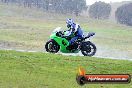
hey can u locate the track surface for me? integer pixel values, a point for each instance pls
(99, 54)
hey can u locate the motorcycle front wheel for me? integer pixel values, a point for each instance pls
(52, 46)
(88, 49)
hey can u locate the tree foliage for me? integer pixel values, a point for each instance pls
(59, 6)
(100, 10)
(123, 14)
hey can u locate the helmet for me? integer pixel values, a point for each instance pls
(69, 22)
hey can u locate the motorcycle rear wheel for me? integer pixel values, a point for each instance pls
(88, 49)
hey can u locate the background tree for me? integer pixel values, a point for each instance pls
(79, 5)
(100, 10)
(123, 14)
(58, 6)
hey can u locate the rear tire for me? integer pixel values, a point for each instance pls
(88, 49)
(52, 46)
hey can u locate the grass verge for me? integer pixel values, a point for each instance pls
(43, 70)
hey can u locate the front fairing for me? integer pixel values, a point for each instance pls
(61, 41)
(53, 35)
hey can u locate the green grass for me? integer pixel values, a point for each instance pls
(43, 70)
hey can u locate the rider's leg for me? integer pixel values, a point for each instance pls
(73, 40)
(80, 32)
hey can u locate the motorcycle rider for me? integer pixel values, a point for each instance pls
(74, 31)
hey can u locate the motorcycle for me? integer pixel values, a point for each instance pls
(58, 41)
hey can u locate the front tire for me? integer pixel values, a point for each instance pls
(52, 46)
(88, 49)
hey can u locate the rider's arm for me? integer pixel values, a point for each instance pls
(68, 32)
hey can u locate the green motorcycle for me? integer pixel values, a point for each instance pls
(58, 41)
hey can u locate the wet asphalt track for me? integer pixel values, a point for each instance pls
(100, 54)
